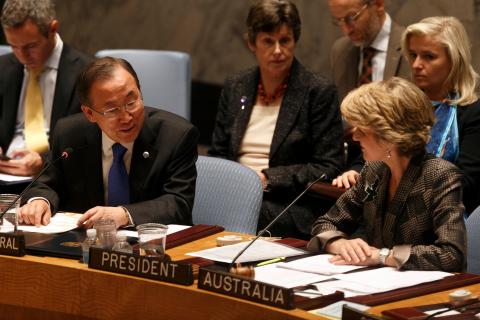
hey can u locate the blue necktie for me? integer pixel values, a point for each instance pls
(118, 187)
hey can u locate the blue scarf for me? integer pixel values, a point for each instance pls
(444, 134)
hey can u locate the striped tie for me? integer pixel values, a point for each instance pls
(366, 75)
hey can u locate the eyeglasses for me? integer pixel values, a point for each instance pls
(351, 18)
(131, 106)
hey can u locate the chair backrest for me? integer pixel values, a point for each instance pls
(473, 242)
(227, 194)
(165, 77)
(5, 49)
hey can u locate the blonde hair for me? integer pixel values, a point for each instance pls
(396, 110)
(451, 34)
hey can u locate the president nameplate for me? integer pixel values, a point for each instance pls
(141, 266)
(12, 244)
(244, 288)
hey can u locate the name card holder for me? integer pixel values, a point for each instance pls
(12, 244)
(245, 288)
(141, 266)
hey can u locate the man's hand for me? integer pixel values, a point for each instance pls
(352, 252)
(346, 180)
(89, 218)
(263, 179)
(36, 212)
(23, 163)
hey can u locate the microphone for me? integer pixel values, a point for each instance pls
(64, 155)
(232, 268)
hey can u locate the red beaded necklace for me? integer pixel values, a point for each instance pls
(266, 98)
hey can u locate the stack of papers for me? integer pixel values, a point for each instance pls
(260, 250)
(318, 264)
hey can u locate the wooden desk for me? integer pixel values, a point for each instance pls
(53, 288)
(327, 191)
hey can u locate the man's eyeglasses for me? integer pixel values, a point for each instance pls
(351, 18)
(116, 111)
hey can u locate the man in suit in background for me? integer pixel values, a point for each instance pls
(369, 51)
(131, 163)
(370, 37)
(37, 83)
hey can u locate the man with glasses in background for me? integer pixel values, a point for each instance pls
(37, 84)
(130, 163)
(371, 41)
(369, 51)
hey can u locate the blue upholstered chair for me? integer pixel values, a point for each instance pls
(164, 76)
(227, 194)
(473, 242)
(5, 49)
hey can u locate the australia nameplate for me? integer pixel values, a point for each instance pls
(244, 288)
(12, 244)
(141, 266)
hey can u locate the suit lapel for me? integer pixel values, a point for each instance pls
(348, 70)
(13, 77)
(291, 105)
(395, 210)
(246, 91)
(394, 52)
(141, 166)
(64, 86)
(92, 164)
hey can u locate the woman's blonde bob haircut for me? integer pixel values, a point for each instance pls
(396, 110)
(451, 34)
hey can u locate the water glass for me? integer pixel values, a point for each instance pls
(9, 221)
(152, 238)
(106, 232)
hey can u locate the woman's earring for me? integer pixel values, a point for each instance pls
(389, 153)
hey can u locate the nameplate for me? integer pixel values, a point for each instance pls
(141, 266)
(244, 288)
(12, 244)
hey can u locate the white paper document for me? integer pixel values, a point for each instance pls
(334, 311)
(60, 222)
(377, 280)
(8, 178)
(260, 250)
(172, 228)
(318, 264)
(284, 277)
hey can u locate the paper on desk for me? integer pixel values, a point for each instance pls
(284, 277)
(60, 222)
(334, 311)
(318, 264)
(377, 280)
(172, 228)
(260, 250)
(8, 178)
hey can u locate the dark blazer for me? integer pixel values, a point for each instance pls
(345, 58)
(468, 119)
(65, 100)
(162, 185)
(423, 223)
(307, 140)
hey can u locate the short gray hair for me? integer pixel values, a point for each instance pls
(16, 12)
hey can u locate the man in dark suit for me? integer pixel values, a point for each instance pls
(156, 181)
(30, 28)
(364, 24)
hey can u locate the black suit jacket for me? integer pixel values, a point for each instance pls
(307, 140)
(65, 100)
(162, 186)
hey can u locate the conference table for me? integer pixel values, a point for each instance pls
(34, 287)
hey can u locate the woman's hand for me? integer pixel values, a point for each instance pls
(353, 252)
(346, 180)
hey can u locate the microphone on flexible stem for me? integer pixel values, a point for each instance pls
(247, 271)
(65, 154)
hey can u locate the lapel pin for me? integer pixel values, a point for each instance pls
(146, 155)
(243, 100)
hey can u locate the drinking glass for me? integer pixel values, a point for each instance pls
(9, 221)
(106, 232)
(152, 238)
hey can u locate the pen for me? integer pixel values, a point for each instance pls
(264, 263)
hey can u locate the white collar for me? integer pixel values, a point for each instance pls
(380, 43)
